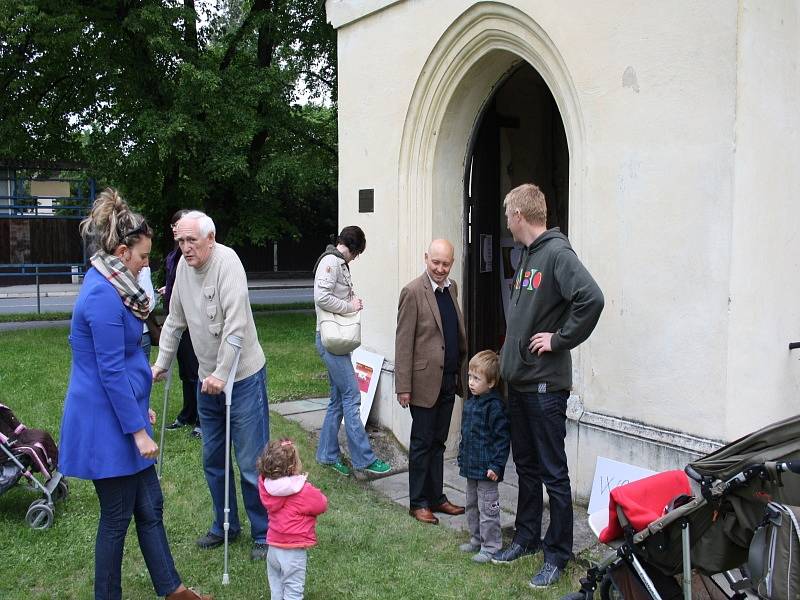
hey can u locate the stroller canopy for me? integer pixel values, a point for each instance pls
(739, 510)
(777, 442)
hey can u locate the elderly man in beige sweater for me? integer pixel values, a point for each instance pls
(210, 298)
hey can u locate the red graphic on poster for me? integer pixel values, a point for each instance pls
(364, 376)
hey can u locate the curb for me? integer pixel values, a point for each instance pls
(61, 294)
(41, 295)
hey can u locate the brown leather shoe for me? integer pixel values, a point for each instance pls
(448, 508)
(187, 594)
(423, 515)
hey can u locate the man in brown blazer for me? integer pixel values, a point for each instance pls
(430, 346)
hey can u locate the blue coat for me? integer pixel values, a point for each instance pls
(109, 387)
(485, 437)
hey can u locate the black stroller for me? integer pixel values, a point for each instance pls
(27, 453)
(716, 536)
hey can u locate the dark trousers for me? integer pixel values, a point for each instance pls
(187, 368)
(538, 429)
(138, 496)
(429, 429)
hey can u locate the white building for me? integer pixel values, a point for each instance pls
(666, 136)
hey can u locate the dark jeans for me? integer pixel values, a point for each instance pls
(187, 368)
(146, 344)
(138, 496)
(538, 429)
(429, 429)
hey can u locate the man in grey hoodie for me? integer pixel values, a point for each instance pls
(554, 306)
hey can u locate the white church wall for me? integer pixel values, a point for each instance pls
(763, 375)
(679, 110)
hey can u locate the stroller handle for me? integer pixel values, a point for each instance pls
(764, 470)
(693, 474)
(792, 465)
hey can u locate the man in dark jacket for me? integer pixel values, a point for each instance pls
(554, 306)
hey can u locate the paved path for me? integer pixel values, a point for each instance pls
(310, 413)
(50, 290)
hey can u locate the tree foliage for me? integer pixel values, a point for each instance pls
(227, 106)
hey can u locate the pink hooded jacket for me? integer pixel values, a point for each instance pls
(292, 505)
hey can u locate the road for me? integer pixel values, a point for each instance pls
(64, 303)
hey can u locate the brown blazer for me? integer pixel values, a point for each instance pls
(419, 343)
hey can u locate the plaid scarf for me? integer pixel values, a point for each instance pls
(113, 269)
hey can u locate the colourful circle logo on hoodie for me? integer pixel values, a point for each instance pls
(530, 280)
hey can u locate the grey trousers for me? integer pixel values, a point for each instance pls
(483, 515)
(286, 572)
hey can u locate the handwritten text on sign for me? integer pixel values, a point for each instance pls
(609, 474)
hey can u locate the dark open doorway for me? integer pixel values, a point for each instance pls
(518, 139)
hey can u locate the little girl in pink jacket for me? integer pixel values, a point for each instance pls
(292, 505)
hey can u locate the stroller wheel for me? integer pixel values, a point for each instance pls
(40, 515)
(609, 591)
(62, 491)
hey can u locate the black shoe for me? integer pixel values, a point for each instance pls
(176, 424)
(513, 552)
(259, 551)
(212, 540)
(196, 432)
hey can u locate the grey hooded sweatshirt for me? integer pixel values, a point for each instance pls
(552, 292)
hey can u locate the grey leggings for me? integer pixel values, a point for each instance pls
(286, 572)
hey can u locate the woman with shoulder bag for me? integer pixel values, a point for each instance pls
(334, 295)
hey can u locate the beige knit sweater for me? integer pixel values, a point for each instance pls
(213, 302)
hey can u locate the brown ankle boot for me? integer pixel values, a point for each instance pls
(188, 594)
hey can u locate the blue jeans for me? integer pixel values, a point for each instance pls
(345, 403)
(538, 429)
(249, 435)
(146, 344)
(138, 496)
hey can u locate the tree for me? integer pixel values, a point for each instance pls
(228, 107)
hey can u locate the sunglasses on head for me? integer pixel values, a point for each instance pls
(140, 230)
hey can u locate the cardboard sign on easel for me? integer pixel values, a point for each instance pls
(367, 366)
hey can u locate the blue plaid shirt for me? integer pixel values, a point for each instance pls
(485, 437)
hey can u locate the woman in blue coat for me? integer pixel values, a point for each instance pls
(106, 430)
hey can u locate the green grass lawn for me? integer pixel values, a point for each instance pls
(368, 547)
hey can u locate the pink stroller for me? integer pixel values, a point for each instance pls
(30, 453)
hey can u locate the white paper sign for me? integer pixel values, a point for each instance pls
(608, 474)
(367, 366)
(511, 253)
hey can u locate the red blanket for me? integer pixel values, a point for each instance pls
(643, 501)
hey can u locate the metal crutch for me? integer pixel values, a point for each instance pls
(236, 342)
(167, 383)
